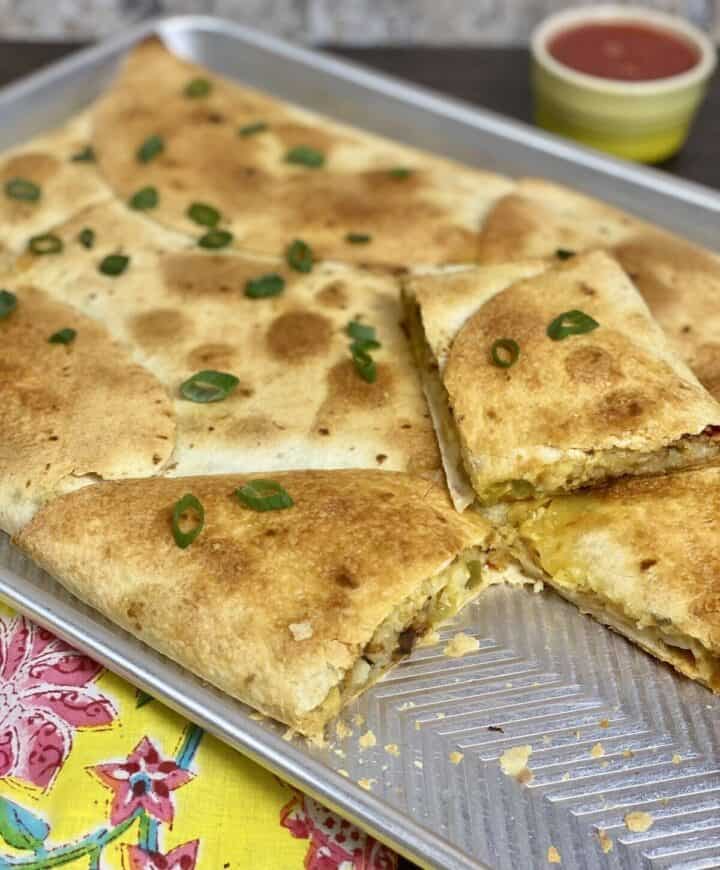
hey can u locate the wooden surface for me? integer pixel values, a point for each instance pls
(496, 78)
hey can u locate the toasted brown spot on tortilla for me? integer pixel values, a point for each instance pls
(296, 335)
(623, 406)
(333, 295)
(159, 328)
(646, 564)
(344, 578)
(590, 363)
(32, 166)
(215, 274)
(346, 389)
(217, 356)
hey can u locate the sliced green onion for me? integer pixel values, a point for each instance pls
(364, 344)
(145, 198)
(265, 286)
(504, 352)
(150, 148)
(187, 503)
(198, 88)
(85, 155)
(304, 155)
(299, 256)
(47, 243)
(358, 238)
(215, 239)
(400, 172)
(63, 336)
(360, 331)
(364, 364)
(564, 253)
(23, 189)
(252, 129)
(571, 323)
(203, 214)
(114, 264)
(208, 386)
(264, 495)
(87, 237)
(8, 303)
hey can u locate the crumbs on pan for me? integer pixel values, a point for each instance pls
(343, 772)
(289, 734)
(565, 777)
(257, 717)
(597, 751)
(406, 705)
(628, 753)
(606, 843)
(676, 759)
(604, 723)
(418, 764)
(430, 639)
(456, 757)
(301, 630)
(460, 645)
(514, 762)
(553, 855)
(392, 749)
(367, 784)
(638, 822)
(367, 740)
(342, 729)
(358, 719)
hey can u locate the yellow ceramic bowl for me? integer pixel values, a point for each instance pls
(647, 120)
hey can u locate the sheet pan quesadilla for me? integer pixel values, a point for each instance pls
(679, 280)
(275, 172)
(295, 610)
(642, 556)
(558, 381)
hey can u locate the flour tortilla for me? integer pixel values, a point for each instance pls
(431, 215)
(610, 402)
(300, 402)
(292, 611)
(71, 413)
(679, 280)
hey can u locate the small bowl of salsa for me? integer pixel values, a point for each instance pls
(626, 80)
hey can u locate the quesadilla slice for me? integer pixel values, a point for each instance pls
(75, 408)
(560, 381)
(642, 556)
(302, 398)
(271, 172)
(679, 280)
(293, 606)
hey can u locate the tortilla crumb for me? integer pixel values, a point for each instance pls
(342, 729)
(460, 645)
(358, 719)
(257, 717)
(553, 855)
(343, 772)
(638, 822)
(606, 844)
(301, 630)
(406, 705)
(289, 734)
(367, 784)
(456, 757)
(597, 751)
(565, 777)
(514, 762)
(392, 749)
(418, 764)
(367, 740)
(676, 759)
(547, 739)
(340, 752)
(604, 723)
(417, 725)
(430, 639)
(628, 753)
(578, 734)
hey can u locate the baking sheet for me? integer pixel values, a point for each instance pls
(611, 730)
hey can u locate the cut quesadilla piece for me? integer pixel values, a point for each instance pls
(563, 380)
(679, 281)
(302, 400)
(437, 305)
(75, 408)
(47, 179)
(271, 172)
(642, 556)
(292, 610)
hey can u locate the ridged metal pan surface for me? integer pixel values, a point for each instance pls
(611, 730)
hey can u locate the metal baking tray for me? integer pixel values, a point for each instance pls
(544, 675)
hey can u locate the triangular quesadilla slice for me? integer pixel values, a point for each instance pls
(75, 407)
(642, 556)
(293, 606)
(563, 380)
(304, 398)
(679, 281)
(271, 172)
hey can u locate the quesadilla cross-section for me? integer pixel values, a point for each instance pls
(642, 556)
(293, 610)
(75, 407)
(560, 381)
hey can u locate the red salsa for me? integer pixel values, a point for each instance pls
(625, 51)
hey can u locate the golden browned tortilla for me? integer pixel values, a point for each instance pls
(568, 412)
(679, 280)
(414, 207)
(293, 611)
(643, 557)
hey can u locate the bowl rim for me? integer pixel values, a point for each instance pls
(565, 19)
